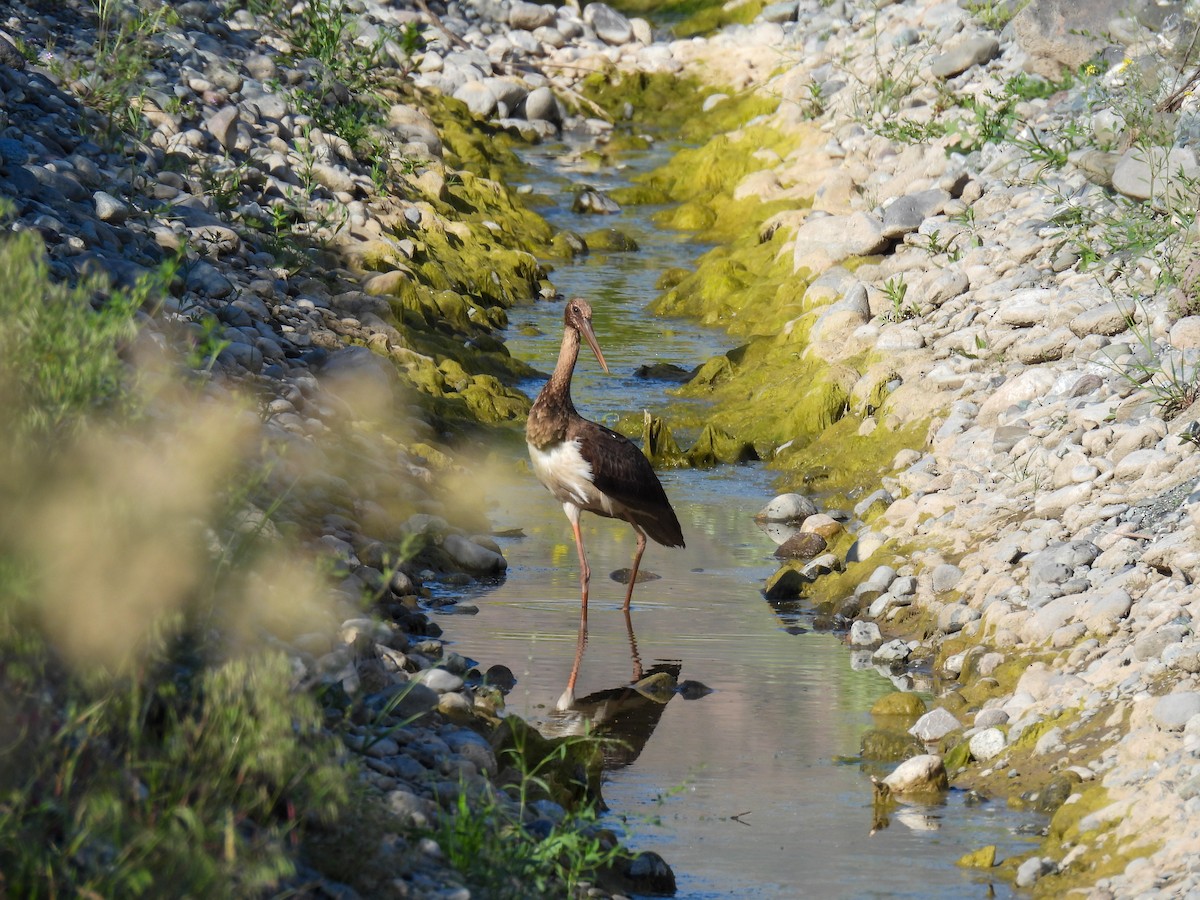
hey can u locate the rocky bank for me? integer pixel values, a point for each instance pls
(991, 215)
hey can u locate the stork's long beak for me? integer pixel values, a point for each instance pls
(590, 337)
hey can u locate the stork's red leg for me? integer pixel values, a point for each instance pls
(585, 573)
(637, 561)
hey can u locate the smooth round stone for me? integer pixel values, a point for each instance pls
(892, 651)
(922, 773)
(1173, 711)
(541, 105)
(804, 545)
(787, 508)
(987, 744)
(109, 208)
(935, 725)
(864, 634)
(946, 578)
(439, 680)
(990, 718)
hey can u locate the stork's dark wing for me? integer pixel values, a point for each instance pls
(621, 471)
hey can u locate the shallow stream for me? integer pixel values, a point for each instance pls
(751, 790)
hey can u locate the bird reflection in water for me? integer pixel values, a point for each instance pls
(626, 715)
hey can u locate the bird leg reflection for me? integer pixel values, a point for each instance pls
(567, 700)
(633, 647)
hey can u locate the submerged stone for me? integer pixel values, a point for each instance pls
(881, 745)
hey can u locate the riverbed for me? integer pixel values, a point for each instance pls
(752, 789)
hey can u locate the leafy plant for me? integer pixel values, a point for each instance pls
(1173, 384)
(59, 356)
(895, 289)
(489, 841)
(995, 14)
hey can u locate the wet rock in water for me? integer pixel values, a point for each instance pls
(596, 202)
(611, 240)
(664, 372)
(899, 703)
(892, 652)
(621, 576)
(935, 725)
(647, 873)
(785, 584)
(659, 687)
(983, 858)
(864, 634)
(658, 443)
(881, 745)
(472, 556)
(804, 545)
(787, 508)
(826, 526)
(921, 774)
(500, 677)
(693, 690)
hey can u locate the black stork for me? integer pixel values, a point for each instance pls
(589, 467)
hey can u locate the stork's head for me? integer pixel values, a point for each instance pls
(578, 315)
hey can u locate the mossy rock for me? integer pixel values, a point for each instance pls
(983, 858)
(640, 195)
(692, 216)
(958, 757)
(567, 245)
(882, 745)
(671, 277)
(716, 446)
(902, 704)
(1048, 798)
(611, 240)
(658, 444)
(786, 583)
(492, 402)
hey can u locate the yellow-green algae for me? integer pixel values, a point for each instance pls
(668, 105)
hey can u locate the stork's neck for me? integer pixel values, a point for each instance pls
(558, 388)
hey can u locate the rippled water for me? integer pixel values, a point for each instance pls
(744, 791)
